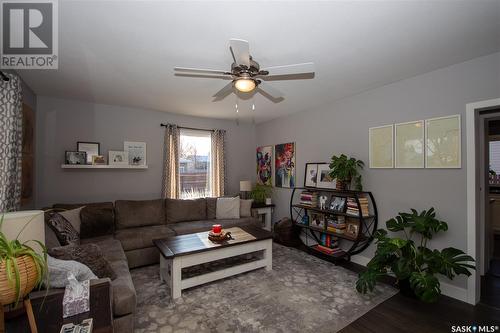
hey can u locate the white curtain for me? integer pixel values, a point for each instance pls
(171, 177)
(11, 120)
(218, 163)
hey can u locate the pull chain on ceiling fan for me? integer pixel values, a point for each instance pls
(246, 75)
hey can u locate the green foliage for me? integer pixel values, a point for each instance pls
(260, 192)
(346, 170)
(12, 249)
(408, 259)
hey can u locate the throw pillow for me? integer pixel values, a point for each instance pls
(228, 208)
(59, 271)
(64, 230)
(73, 216)
(87, 254)
(246, 208)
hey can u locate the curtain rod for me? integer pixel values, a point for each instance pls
(190, 128)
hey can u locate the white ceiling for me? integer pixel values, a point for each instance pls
(123, 52)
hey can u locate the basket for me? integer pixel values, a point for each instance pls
(28, 277)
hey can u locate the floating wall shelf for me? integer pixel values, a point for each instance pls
(90, 166)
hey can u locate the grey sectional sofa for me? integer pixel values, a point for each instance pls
(125, 231)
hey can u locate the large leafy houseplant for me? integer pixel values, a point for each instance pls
(21, 267)
(346, 170)
(260, 193)
(409, 258)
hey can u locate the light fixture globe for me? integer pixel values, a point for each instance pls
(245, 85)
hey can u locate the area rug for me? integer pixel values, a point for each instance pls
(301, 294)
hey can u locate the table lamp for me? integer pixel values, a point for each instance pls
(245, 188)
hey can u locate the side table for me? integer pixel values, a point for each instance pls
(264, 212)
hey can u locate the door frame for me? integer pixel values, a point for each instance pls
(473, 201)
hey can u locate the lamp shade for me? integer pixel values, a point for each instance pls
(35, 227)
(245, 186)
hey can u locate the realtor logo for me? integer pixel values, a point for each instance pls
(29, 34)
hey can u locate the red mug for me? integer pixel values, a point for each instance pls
(216, 228)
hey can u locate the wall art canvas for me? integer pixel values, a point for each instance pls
(409, 152)
(136, 152)
(381, 142)
(310, 178)
(264, 165)
(443, 142)
(284, 155)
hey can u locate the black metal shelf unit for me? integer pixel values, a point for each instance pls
(350, 244)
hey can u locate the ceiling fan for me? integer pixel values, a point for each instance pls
(246, 75)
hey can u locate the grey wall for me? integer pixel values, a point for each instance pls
(61, 123)
(342, 127)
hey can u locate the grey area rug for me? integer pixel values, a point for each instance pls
(301, 294)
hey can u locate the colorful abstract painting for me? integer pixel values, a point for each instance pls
(264, 165)
(284, 155)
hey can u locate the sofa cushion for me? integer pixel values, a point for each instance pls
(140, 238)
(211, 208)
(228, 208)
(123, 291)
(179, 210)
(97, 218)
(246, 207)
(205, 225)
(63, 229)
(139, 213)
(73, 216)
(124, 296)
(90, 255)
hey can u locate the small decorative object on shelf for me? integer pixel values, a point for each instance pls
(98, 160)
(136, 152)
(347, 224)
(117, 157)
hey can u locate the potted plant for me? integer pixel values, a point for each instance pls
(260, 193)
(414, 265)
(346, 170)
(21, 268)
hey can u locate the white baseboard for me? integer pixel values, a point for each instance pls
(446, 288)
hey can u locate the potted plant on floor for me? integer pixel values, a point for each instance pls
(261, 193)
(21, 267)
(410, 260)
(346, 170)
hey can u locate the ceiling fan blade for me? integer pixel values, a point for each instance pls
(224, 92)
(304, 68)
(200, 70)
(271, 93)
(240, 50)
(204, 76)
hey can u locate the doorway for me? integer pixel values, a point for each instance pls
(490, 236)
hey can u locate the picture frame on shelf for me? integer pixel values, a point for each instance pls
(352, 228)
(90, 148)
(317, 220)
(409, 141)
(117, 157)
(443, 142)
(311, 175)
(324, 180)
(98, 160)
(338, 204)
(75, 157)
(136, 152)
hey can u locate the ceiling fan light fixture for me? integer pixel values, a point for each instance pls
(245, 85)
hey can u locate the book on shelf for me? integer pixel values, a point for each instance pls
(353, 208)
(309, 198)
(336, 230)
(327, 250)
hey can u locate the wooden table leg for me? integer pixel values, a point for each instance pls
(2, 319)
(31, 317)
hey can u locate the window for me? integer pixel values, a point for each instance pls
(194, 164)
